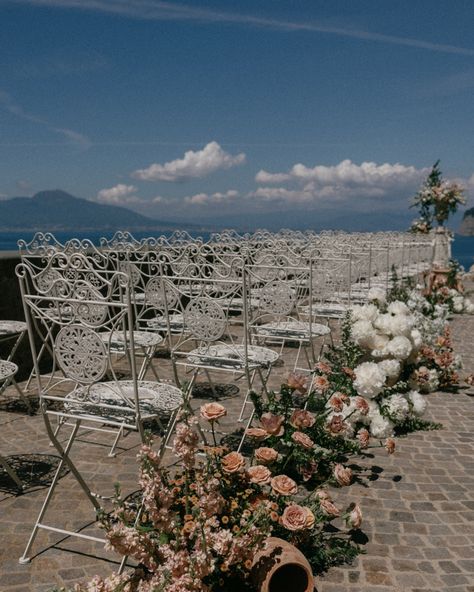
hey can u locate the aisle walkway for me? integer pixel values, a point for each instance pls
(418, 513)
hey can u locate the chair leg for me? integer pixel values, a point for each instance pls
(23, 397)
(11, 473)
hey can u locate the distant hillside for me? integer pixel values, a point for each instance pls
(58, 210)
(467, 224)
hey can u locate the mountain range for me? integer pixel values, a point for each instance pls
(57, 210)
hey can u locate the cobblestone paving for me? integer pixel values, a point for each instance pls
(418, 505)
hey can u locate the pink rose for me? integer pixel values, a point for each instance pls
(302, 439)
(284, 485)
(343, 475)
(323, 367)
(212, 411)
(362, 405)
(259, 474)
(232, 462)
(320, 384)
(300, 418)
(336, 425)
(266, 455)
(328, 507)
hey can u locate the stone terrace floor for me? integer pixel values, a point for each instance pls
(418, 512)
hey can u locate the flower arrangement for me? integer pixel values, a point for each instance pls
(197, 529)
(436, 200)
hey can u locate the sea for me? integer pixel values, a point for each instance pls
(462, 246)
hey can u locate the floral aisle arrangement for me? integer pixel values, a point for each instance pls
(198, 528)
(436, 200)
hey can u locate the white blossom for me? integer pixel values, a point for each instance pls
(399, 347)
(369, 380)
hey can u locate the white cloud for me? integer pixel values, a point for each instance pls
(119, 195)
(347, 173)
(194, 165)
(344, 181)
(204, 199)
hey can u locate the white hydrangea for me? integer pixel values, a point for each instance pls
(366, 312)
(369, 379)
(379, 341)
(416, 338)
(391, 368)
(397, 406)
(468, 306)
(458, 304)
(363, 333)
(378, 294)
(398, 308)
(399, 347)
(402, 325)
(418, 403)
(383, 323)
(380, 426)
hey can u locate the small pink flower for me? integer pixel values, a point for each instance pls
(343, 475)
(303, 440)
(323, 367)
(336, 425)
(336, 402)
(320, 384)
(362, 405)
(364, 437)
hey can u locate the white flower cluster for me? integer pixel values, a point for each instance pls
(461, 304)
(386, 335)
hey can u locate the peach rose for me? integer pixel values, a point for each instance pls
(284, 485)
(328, 507)
(259, 474)
(297, 517)
(300, 418)
(298, 382)
(272, 424)
(212, 411)
(343, 475)
(348, 372)
(266, 455)
(232, 462)
(302, 439)
(354, 518)
(257, 433)
(390, 445)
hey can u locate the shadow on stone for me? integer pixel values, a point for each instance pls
(34, 470)
(204, 390)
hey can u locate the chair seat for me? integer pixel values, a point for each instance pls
(114, 400)
(329, 310)
(116, 339)
(232, 357)
(7, 370)
(12, 328)
(159, 323)
(291, 329)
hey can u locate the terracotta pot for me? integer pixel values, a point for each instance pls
(280, 567)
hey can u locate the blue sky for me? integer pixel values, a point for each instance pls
(220, 109)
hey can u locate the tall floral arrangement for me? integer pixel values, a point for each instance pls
(436, 200)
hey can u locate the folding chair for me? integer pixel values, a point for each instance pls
(96, 399)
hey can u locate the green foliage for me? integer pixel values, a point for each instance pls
(416, 424)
